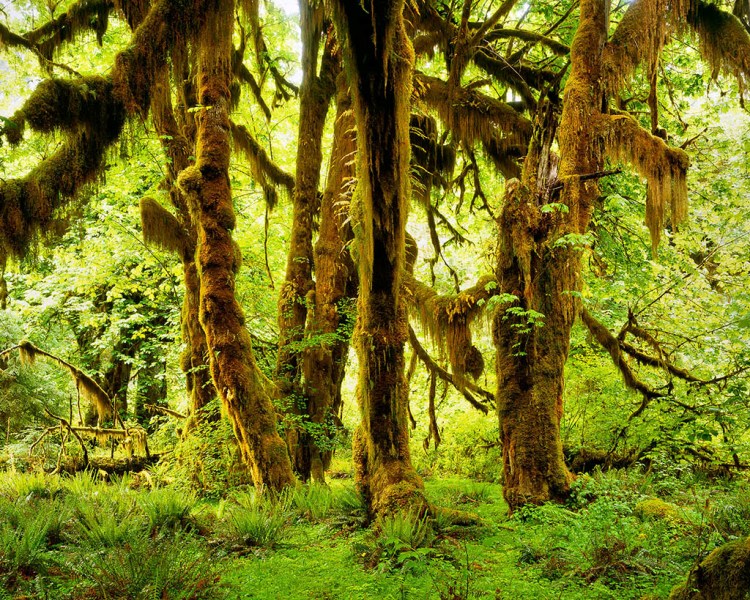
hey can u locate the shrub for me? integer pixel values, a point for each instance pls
(109, 521)
(255, 520)
(24, 539)
(313, 502)
(28, 486)
(146, 568)
(168, 508)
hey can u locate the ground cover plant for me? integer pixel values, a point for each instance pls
(623, 534)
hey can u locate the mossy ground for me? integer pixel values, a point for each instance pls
(314, 543)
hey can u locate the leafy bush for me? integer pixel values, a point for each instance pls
(207, 460)
(468, 449)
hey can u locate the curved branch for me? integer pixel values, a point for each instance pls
(555, 46)
(464, 385)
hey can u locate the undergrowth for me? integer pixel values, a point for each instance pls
(621, 534)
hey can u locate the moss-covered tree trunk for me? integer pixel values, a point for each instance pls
(379, 62)
(539, 263)
(178, 143)
(324, 363)
(243, 389)
(315, 96)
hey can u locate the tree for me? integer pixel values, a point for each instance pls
(378, 59)
(92, 114)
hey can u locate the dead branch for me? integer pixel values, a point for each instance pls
(71, 430)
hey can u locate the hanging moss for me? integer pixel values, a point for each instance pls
(448, 319)
(263, 169)
(663, 167)
(639, 37)
(473, 117)
(723, 40)
(163, 229)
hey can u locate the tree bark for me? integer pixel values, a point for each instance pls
(243, 389)
(379, 63)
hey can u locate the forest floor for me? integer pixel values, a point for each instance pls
(624, 534)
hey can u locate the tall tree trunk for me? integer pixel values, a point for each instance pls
(243, 389)
(178, 143)
(379, 61)
(542, 269)
(324, 364)
(315, 97)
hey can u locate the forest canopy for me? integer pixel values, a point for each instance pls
(259, 244)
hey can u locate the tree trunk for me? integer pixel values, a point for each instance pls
(152, 387)
(324, 363)
(379, 62)
(242, 387)
(315, 97)
(542, 268)
(178, 143)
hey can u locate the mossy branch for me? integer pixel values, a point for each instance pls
(526, 35)
(87, 387)
(612, 345)
(29, 206)
(263, 168)
(11, 39)
(69, 105)
(463, 385)
(154, 408)
(84, 15)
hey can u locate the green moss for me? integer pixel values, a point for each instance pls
(656, 509)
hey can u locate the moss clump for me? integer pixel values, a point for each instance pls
(658, 510)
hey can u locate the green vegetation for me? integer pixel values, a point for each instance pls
(396, 299)
(97, 539)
